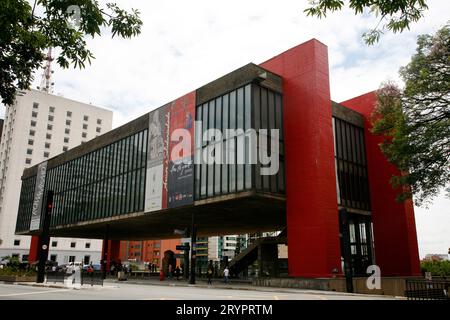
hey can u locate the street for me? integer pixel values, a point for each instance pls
(127, 291)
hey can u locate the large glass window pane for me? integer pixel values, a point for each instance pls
(240, 108)
(205, 118)
(248, 107)
(257, 107)
(232, 110)
(218, 124)
(204, 179)
(225, 102)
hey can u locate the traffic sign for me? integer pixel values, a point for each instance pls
(181, 247)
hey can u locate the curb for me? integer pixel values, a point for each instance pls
(262, 289)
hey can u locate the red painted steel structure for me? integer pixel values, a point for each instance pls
(396, 250)
(312, 218)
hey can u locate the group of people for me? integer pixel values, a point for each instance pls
(210, 273)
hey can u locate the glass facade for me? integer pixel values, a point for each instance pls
(351, 165)
(248, 107)
(106, 182)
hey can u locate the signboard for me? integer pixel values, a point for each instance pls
(182, 248)
(170, 178)
(38, 197)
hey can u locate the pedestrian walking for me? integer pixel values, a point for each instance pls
(226, 274)
(210, 272)
(177, 272)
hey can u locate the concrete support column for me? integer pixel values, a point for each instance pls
(311, 199)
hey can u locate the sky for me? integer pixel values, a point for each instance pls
(186, 44)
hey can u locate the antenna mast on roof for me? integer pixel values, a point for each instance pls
(46, 80)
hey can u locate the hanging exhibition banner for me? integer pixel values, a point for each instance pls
(38, 197)
(170, 174)
(181, 165)
(155, 159)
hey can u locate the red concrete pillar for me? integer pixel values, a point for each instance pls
(396, 249)
(34, 249)
(312, 213)
(112, 248)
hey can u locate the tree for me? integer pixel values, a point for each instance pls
(63, 24)
(398, 15)
(416, 120)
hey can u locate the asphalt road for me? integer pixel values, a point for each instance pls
(127, 291)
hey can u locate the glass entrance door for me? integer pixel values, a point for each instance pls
(361, 243)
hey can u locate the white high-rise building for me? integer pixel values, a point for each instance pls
(38, 127)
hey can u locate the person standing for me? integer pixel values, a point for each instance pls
(226, 274)
(210, 272)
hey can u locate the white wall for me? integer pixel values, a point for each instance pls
(13, 155)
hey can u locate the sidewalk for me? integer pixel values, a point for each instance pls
(219, 284)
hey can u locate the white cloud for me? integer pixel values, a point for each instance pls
(185, 44)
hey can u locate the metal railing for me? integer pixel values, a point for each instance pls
(427, 290)
(92, 278)
(56, 276)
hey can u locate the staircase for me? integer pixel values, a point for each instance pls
(250, 254)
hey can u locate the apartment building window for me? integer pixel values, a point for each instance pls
(65, 148)
(46, 154)
(99, 121)
(87, 259)
(73, 244)
(27, 161)
(51, 109)
(69, 114)
(50, 118)
(99, 129)
(88, 245)
(29, 151)
(35, 105)
(72, 259)
(49, 127)
(66, 140)
(34, 114)
(67, 131)
(33, 123)
(48, 136)
(84, 134)
(32, 132)
(85, 118)
(53, 257)
(47, 145)
(68, 122)
(30, 142)
(85, 126)
(54, 244)
(17, 242)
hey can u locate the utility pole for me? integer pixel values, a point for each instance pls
(193, 249)
(44, 238)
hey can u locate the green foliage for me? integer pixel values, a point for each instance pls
(416, 120)
(25, 35)
(396, 15)
(437, 268)
(15, 268)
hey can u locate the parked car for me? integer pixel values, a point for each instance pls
(97, 267)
